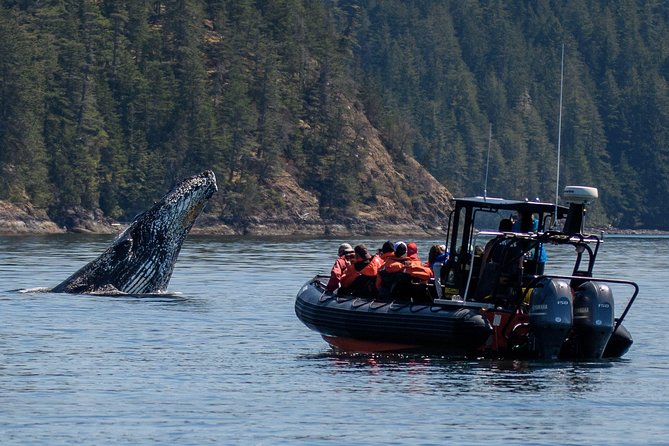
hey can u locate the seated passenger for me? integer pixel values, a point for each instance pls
(359, 277)
(400, 269)
(346, 254)
(501, 262)
(494, 248)
(382, 254)
(412, 251)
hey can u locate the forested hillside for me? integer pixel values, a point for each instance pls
(314, 111)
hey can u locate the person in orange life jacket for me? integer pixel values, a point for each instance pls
(415, 268)
(400, 268)
(388, 272)
(412, 251)
(382, 254)
(346, 255)
(360, 275)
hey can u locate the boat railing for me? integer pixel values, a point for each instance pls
(555, 237)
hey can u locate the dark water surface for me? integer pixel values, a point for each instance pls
(224, 360)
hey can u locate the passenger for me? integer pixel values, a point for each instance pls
(436, 258)
(501, 257)
(535, 260)
(360, 276)
(388, 272)
(346, 255)
(494, 248)
(382, 254)
(399, 268)
(412, 251)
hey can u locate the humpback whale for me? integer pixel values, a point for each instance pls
(141, 259)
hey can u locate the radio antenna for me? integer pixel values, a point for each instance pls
(487, 163)
(557, 176)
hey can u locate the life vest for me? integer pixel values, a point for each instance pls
(338, 269)
(417, 270)
(380, 259)
(396, 265)
(368, 268)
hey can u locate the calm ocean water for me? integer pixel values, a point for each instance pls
(224, 360)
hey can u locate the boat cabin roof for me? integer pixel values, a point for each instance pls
(521, 206)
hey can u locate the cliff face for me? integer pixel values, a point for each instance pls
(401, 197)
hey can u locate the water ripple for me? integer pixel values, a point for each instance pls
(222, 359)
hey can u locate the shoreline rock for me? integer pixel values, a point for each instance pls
(17, 220)
(27, 220)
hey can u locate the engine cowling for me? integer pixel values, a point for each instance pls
(550, 317)
(594, 320)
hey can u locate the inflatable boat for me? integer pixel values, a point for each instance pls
(495, 300)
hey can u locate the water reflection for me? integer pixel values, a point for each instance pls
(461, 376)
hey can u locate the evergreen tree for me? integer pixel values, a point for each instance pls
(23, 168)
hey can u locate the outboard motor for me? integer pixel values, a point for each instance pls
(550, 316)
(577, 197)
(593, 320)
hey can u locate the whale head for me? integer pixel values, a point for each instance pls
(141, 259)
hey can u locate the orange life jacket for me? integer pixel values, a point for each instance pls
(414, 268)
(356, 269)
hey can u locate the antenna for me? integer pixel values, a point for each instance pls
(557, 177)
(487, 163)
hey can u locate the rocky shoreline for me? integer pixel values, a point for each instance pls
(27, 220)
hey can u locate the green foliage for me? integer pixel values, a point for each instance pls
(23, 159)
(106, 103)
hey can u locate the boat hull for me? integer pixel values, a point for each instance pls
(455, 329)
(362, 325)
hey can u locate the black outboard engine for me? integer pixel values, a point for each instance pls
(550, 316)
(594, 321)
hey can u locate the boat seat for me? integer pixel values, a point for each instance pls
(500, 273)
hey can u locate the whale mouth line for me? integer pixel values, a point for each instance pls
(141, 259)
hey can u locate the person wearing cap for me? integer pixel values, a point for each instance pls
(400, 268)
(412, 251)
(387, 250)
(390, 272)
(360, 275)
(346, 255)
